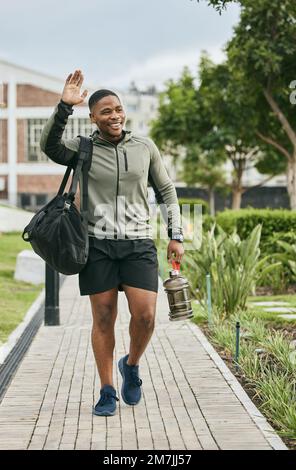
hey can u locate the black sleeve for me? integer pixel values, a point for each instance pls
(61, 151)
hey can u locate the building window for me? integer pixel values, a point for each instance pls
(77, 127)
(25, 200)
(33, 202)
(74, 127)
(35, 127)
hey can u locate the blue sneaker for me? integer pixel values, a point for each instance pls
(130, 390)
(106, 405)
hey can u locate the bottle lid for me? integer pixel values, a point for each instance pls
(174, 272)
(176, 265)
(176, 268)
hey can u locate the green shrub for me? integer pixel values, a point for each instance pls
(277, 279)
(278, 227)
(207, 222)
(245, 220)
(234, 267)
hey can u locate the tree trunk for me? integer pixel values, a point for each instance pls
(239, 165)
(281, 117)
(236, 198)
(291, 180)
(212, 202)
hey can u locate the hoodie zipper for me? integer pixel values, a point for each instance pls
(125, 160)
(117, 184)
(117, 181)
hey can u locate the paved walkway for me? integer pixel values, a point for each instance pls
(190, 400)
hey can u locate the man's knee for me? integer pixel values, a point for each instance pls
(104, 316)
(145, 317)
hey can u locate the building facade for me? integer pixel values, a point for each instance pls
(28, 179)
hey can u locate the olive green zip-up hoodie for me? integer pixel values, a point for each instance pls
(117, 180)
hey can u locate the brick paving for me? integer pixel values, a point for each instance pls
(189, 400)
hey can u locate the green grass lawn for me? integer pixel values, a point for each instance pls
(15, 296)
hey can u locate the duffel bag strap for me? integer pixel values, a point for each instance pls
(84, 157)
(76, 170)
(88, 148)
(64, 181)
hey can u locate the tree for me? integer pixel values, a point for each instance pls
(219, 4)
(204, 168)
(178, 112)
(179, 125)
(233, 117)
(220, 118)
(263, 52)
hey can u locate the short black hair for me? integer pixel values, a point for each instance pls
(98, 95)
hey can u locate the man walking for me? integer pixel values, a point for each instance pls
(122, 253)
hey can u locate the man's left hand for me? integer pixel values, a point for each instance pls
(175, 251)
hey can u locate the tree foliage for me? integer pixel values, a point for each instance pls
(262, 51)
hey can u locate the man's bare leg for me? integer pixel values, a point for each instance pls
(104, 311)
(142, 305)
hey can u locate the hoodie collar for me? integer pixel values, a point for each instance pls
(96, 136)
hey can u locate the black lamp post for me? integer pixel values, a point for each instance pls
(52, 287)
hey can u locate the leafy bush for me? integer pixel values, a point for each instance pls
(234, 267)
(272, 221)
(207, 222)
(285, 253)
(278, 228)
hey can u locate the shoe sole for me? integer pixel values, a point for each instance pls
(120, 367)
(104, 413)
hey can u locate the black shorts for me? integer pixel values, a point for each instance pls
(114, 262)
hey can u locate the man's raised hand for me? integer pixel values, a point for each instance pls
(72, 90)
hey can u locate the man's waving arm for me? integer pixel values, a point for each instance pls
(51, 143)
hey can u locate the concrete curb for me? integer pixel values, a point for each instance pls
(6, 348)
(270, 434)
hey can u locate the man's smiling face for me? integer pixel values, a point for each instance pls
(109, 116)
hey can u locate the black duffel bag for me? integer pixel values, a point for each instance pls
(58, 232)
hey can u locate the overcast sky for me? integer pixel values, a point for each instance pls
(113, 41)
